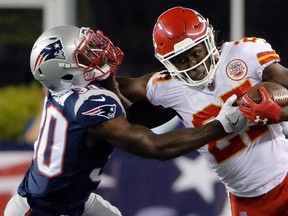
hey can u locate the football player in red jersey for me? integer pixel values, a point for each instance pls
(82, 122)
(199, 76)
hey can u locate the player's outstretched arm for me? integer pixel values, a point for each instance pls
(143, 142)
(134, 88)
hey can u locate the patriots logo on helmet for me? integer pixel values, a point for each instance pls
(53, 50)
(107, 111)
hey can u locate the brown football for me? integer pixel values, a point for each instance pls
(277, 92)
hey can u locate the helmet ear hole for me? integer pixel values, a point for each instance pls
(40, 72)
(67, 77)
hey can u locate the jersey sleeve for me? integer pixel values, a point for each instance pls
(153, 88)
(265, 53)
(150, 91)
(257, 54)
(96, 106)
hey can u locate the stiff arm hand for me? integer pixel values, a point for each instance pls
(231, 117)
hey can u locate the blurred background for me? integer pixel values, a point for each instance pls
(181, 187)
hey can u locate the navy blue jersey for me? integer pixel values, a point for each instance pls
(67, 163)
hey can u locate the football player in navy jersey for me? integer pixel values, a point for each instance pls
(82, 122)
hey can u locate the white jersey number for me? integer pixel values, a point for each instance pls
(50, 146)
(237, 143)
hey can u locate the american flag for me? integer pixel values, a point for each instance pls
(184, 186)
(13, 166)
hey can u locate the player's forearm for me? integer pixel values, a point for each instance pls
(146, 144)
(132, 88)
(284, 114)
(180, 142)
(143, 142)
(111, 84)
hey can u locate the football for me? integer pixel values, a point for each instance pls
(277, 92)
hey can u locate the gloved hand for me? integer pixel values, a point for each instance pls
(267, 112)
(231, 117)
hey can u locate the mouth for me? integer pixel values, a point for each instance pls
(201, 75)
(197, 75)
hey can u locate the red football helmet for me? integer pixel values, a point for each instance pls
(178, 30)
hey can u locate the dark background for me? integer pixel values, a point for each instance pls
(129, 23)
